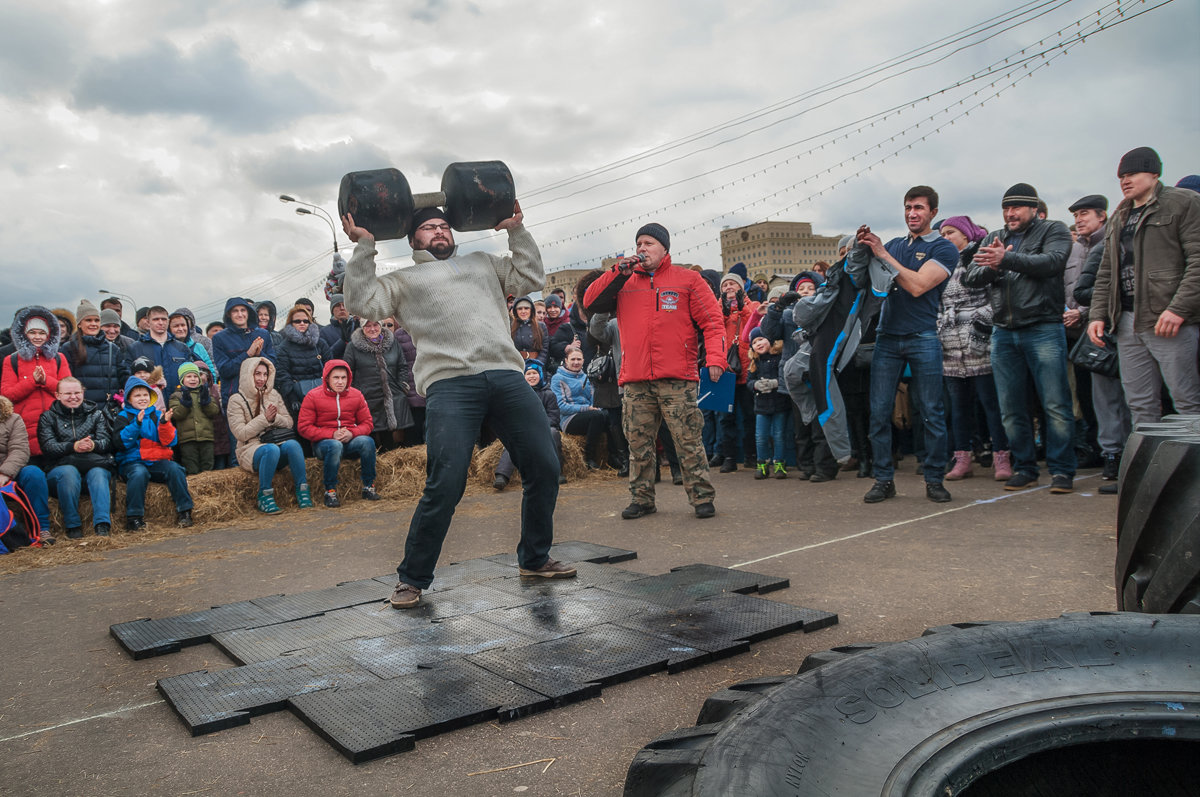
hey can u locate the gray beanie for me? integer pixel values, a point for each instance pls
(109, 316)
(335, 300)
(86, 310)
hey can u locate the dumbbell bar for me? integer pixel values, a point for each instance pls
(477, 195)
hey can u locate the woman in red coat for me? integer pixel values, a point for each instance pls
(29, 377)
(738, 309)
(335, 418)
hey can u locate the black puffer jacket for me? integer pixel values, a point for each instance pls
(361, 356)
(103, 367)
(767, 367)
(301, 357)
(60, 428)
(1087, 279)
(1028, 287)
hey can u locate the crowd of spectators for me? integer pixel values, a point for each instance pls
(968, 353)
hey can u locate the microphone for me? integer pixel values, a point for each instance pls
(625, 266)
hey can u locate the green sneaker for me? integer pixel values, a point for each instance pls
(266, 502)
(760, 472)
(304, 497)
(780, 470)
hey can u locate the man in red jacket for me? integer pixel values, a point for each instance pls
(659, 306)
(335, 418)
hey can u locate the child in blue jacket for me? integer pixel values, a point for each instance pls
(144, 436)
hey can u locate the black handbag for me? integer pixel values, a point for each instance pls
(1097, 359)
(276, 435)
(602, 369)
(733, 360)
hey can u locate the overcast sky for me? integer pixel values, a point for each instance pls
(145, 142)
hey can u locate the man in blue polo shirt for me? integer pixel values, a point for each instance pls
(907, 336)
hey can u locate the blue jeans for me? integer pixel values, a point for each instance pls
(137, 475)
(331, 452)
(66, 483)
(32, 481)
(963, 391)
(768, 434)
(266, 462)
(1040, 350)
(922, 353)
(455, 410)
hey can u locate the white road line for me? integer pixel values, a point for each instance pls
(82, 719)
(979, 502)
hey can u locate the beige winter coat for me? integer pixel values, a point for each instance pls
(247, 426)
(14, 440)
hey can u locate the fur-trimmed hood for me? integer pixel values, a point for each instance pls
(310, 337)
(25, 349)
(360, 341)
(246, 376)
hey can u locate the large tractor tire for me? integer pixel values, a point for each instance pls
(1084, 704)
(1158, 518)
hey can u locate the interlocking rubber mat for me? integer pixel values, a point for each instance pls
(484, 645)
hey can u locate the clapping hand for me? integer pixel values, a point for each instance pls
(85, 445)
(271, 411)
(992, 254)
(168, 415)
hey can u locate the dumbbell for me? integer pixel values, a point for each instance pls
(477, 195)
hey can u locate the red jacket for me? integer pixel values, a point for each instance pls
(657, 316)
(323, 412)
(734, 322)
(29, 398)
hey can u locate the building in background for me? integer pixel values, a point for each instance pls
(776, 247)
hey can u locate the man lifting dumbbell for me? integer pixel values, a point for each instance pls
(469, 372)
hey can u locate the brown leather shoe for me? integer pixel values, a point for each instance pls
(405, 596)
(552, 569)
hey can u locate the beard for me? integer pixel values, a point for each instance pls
(441, 249)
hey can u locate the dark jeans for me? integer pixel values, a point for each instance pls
(592, 424)
(137, 475)
(268, 456)
(455, 410)
(727, 423)
(922, 353)
(1040, 350)
(331, 452)
(963, 391)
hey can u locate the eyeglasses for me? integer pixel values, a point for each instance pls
(298, 321)
(432, 227)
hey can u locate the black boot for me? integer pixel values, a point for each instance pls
(676, 473)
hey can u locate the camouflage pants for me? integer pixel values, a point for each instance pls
(645, 406)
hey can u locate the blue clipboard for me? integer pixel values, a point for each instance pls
(716, 396)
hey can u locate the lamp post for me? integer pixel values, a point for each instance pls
(132, 301)
(310, 209)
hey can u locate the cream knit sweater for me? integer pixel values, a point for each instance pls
(454, 309)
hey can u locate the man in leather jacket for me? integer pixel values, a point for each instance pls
(1022, 266)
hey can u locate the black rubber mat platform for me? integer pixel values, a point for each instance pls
(484, 645)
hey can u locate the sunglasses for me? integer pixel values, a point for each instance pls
(389, 326)
(299, 321)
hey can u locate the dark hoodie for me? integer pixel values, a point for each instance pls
(271, 318)
(231, 343)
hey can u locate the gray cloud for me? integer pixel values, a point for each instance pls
(313, 173)
(213, 81)
(37, 51)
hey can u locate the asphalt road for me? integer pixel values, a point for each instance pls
(80, 717)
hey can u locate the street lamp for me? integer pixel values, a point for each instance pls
(315, 210)
(132, 301)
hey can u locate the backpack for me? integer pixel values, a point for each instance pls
(19, 525)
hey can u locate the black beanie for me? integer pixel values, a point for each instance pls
(423, 215)
(142, 312)
(1021, 194)
(1142, 159)
(657, 232)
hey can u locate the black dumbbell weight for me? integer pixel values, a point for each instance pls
(477, 195)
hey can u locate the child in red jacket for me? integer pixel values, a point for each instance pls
(336, 419)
